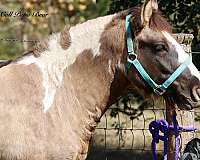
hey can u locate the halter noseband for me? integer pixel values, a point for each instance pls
(132, 60)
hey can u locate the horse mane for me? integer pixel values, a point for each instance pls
(41, 46)
(158, 22)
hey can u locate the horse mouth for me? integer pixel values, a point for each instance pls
(196, 93)
(196, 96)
(184, 102)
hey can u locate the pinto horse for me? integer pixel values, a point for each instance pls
(52, 98)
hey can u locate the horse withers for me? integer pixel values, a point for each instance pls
(52, 98)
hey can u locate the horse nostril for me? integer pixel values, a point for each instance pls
(196, 93)
(197, 105)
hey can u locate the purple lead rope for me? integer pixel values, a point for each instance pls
(177, 138)
(156, 127)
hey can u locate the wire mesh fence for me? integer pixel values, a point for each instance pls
(124, 129)
(18, 40)
(126, 136)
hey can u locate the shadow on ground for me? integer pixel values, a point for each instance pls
(101, 154)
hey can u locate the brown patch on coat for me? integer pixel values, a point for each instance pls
(96, 73)
(93, 96)
(91, 82)
(65, 38)
(113, 40)
(21, 96)
(113, 46)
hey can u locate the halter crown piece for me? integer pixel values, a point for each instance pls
(132, 60)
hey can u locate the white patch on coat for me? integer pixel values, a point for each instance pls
(27, 60)
(53, 61)
(110, 66)
(182, 55)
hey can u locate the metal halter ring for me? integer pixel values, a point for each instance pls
(159, 91)
(131, 57)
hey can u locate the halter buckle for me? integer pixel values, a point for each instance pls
(159, 91)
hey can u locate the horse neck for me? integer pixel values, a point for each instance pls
(93, 81)
(79, 72)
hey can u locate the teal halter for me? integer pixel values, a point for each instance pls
(132, 60)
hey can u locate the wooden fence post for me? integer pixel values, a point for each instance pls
(184, 118)
(170, 111)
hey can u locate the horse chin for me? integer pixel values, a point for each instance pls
(185, 106)
(182, 102)
(185, 103)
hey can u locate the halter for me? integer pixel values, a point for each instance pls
(132, 60)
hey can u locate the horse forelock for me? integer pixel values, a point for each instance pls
(157, 22)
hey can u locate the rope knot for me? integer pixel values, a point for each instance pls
(155, 127)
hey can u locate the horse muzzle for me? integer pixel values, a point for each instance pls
(188, 101)
(196, 96)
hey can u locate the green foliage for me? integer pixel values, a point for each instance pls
(119, 5)
(8, 50)
(185, 16)
(61, 13)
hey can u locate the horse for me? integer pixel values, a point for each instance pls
(53, 97)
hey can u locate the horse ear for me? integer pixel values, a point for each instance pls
(148, 8)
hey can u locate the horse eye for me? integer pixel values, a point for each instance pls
(160, 48)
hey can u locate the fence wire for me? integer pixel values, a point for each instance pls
(130, 136)
(18, 40)
(123, 132)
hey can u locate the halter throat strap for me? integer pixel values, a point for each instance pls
(133, 61)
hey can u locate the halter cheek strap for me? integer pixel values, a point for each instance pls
(132, 60)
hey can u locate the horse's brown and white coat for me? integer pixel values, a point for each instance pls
(55, 59)
(52, 99)
(44, 96)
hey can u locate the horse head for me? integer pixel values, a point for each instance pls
(160, 55)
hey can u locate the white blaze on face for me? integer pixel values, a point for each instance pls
(182, 55)
(55, 60)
